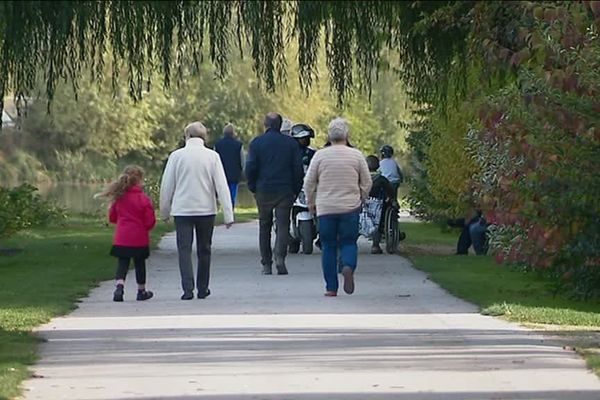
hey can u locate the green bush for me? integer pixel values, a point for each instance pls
(442, 165)
(21, 208)
(538, 152)
(530, 158)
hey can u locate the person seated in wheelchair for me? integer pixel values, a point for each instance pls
(381, 189)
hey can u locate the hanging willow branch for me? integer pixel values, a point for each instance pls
(65, 40)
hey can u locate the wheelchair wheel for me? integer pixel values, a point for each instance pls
(306, 236)
(391, 232)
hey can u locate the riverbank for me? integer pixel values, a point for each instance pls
(506, 292)
(54, 268)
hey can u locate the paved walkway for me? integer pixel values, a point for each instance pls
(277, 338)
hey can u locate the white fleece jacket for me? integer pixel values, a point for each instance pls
(192, 181)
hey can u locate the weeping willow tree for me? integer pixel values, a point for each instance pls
(68, 40)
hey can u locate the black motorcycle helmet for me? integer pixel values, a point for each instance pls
(300, 131)
(386, 151)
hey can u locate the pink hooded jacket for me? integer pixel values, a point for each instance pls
(134, 215)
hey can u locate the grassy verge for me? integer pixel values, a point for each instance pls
(57, 266)
(241, 215)
(504, 291)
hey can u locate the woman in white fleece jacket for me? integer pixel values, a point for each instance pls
(192, 181)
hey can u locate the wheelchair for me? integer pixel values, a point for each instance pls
(390, 229)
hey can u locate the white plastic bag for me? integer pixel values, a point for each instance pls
(370, 216)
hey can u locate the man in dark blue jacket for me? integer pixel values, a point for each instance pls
(275, 176)
(231, 152)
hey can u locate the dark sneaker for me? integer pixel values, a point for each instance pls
(204, 295)
(144, 295)
(118, 295)
(281, 270)
(266, 270)
(376, 250)
(348, 280)
(187, 296)
(318, 244)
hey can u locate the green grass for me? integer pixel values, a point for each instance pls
(592, 357)
(418, 233)
(499, 290)
(241, 215)
(58, 265)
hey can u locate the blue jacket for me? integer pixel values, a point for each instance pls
(274, 164)
(230, 150)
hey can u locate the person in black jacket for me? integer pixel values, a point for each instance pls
(381, 189)
(275, 176)
(231, 152)
(473, 232)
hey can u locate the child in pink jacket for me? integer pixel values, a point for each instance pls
(131, 210)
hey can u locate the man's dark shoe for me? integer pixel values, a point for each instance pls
(118, 295)
(267, 270)
(187, 296)
(144, 295)
(204, 295)
(281, 270)
(376, 250)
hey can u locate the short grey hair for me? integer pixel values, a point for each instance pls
(338, 130)
(229, 129)
(286, 126)
(195, 129)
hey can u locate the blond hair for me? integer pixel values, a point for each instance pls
(132, 175)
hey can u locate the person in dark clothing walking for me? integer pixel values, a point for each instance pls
(275, 176)
(231, 152)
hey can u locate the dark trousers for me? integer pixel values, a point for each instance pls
(185, 226)
(140, 269)
(281, 203)
(395, 186)
(473, 233)
(477, 232)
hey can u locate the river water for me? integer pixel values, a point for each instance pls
(79, 198)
